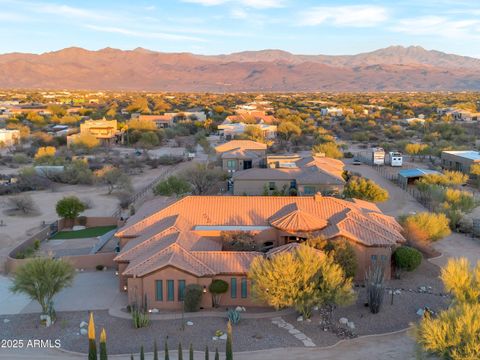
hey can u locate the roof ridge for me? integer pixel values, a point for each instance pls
(360, 223)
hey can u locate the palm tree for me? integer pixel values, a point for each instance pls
(41, 279)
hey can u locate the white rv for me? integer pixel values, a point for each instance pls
(378, 156)
(395, 158)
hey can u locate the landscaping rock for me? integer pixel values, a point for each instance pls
(420, 312)
(351, 325)
(223, 337)
(189, 323)
(300, 318)
(343, 321)
(154, 311)
(83, 324)
(83, 331)
(78, 227)
(315, 308)
(6, 321)
(239, 309)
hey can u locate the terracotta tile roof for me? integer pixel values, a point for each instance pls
(293, 219)
(240, 144)
(168, 236)
(284, 248)
(310, 170)
(240, 154)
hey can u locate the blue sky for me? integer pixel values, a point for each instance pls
(225, 26)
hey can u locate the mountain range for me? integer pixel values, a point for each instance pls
(395, 68)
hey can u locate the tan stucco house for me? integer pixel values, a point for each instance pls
(165, 249)
(238, 155)
(302, 176)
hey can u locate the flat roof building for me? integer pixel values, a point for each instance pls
(460, 160)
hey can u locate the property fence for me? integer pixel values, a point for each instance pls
(146, 189)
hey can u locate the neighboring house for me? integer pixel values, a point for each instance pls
(9, 137)
(103, 130)
(188, 115)
(460, 160)
(241, 155)
(162, 250)
(332, 111)
(303, 176)
(161, 121)
(229, 130)
(415, 120)
(247, 116)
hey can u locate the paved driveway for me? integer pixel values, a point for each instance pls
(96, 290)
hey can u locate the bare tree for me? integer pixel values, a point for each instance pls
(22, 203)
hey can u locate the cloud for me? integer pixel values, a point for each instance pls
(143, 34)
(348, 15)
(66, 11)
(438, 26)
(257, 4)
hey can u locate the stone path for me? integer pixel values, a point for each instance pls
(291, 329)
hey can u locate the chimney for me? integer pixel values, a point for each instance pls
(318, 196)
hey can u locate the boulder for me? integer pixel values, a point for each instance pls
(189, 323)
(154, 311)
(215, 338)
(83, 324)
(223, 337)
(351, 325)
(239, 309)
(343, 321)
(78, 227)
(420, 312)
(315, 308)
(83, 331)
(300, 318)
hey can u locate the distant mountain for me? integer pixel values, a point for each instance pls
(389, 69)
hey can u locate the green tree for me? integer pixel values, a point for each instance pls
(202, 178)
(364, 189)
(287, 130)
(69, 207)
(217, 288)
(173, 185)
(148, 140)
(41, 279)
(342, 252)
(303, 278)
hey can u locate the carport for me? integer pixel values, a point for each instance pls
(409, 176)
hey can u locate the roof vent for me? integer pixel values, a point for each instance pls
(318, 196)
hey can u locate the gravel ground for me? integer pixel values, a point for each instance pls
(249, 334)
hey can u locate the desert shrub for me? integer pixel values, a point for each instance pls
(169, 160)
(433, 226)
(173, 185)
(193, 296)
(238, 241)
(364, 189)
(407, 258)
(20, 158)
(22, 203)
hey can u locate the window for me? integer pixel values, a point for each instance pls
(159, 290)
(309, 190)
(231, 164)
(181, 290)
(374, 259)
(271, 185)
(244, 287)
(233, 288)
(170, 290)
(383, 259)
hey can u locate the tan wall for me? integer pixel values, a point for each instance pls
(322, 188)
(255, 187)
(147, 284)
(91, 222)
(455, 162)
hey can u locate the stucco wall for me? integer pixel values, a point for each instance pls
(139, 287)
(255, 187)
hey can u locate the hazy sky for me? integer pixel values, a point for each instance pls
(225, 26)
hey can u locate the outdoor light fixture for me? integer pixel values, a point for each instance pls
(116, 273)
(204, 289)
(125, 288)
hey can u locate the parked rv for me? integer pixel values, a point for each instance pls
(378, 156)
(394, 159)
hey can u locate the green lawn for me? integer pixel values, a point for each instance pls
(86, 233)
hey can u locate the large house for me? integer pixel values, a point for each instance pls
(165, 249)
(103, 130)
(9, 137)
(168, 119)
(229, 129)
(241, 154)
(302, 176)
